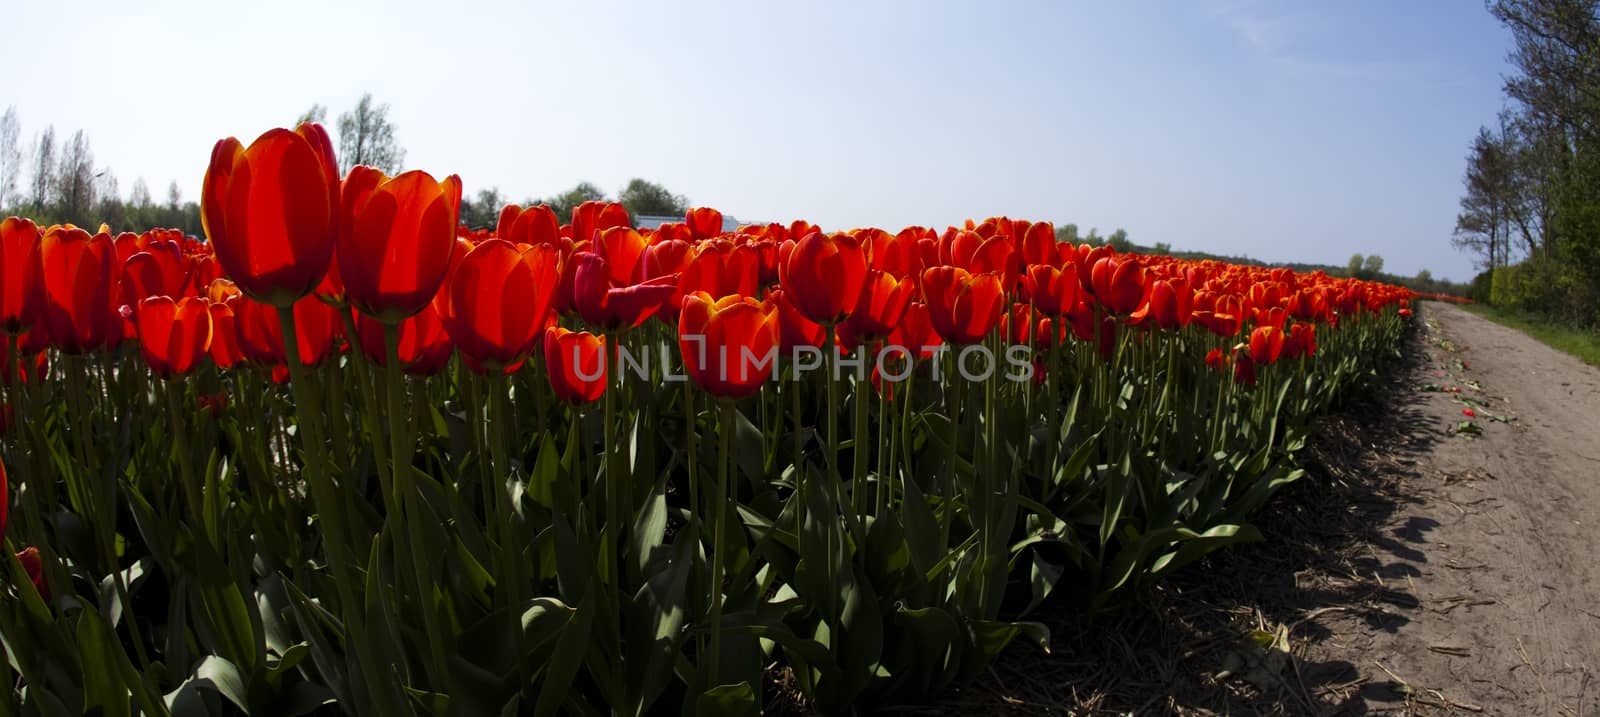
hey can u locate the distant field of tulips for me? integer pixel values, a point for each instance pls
(342, 455)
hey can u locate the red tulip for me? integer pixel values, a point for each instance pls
(1118, 284)
(173, 335)
(610, 306)
(534, 225)
(915, 333)
(499, 297)
(424, 348)
(29, 558)
(224, 347)
(823, 275)
(1054, 291)
(78, 273)
(260, 331)
(883, 302)
(591, 218)
(270, 211)
(576, 364)
(795, 330)
(703, 222)
(395, 258)
(1301, 341)
(1266, 344)
(729, 345)
(963, 307)
(21, 274)
(1170, 304)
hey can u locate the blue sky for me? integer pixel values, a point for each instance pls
(1284, 131)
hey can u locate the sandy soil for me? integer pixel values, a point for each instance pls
(1493, 557)
(1430, 563)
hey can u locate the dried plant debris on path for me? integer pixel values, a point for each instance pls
(1420, 568)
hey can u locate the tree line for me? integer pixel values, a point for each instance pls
(1530, 209)
(56, 181)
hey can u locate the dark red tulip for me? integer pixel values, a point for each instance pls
(535, 225)
(1301, 341)
(224, 347)
(1118, 284)
(21, 274)
(883, 302)
(963, 307)
(29, 558)
(795, 330)
(1054, 291)
(610, 306)
(397, 254)
(78, 279)
(576, 364)
(823, 275)
(173, 335)
(270, 211)
(1266, 344)
(590, 218)
(1169, 306)
(499, 298)
(729, 345)
(704, 222)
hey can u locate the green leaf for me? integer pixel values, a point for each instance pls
(226, 679)
(104, 692)
(727, 701)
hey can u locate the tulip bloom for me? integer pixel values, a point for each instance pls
(704, 222)
(1266, 344)
(599, 301)
(729, 345)
(29, 558)
(424, 347)
(173, 335)
(883, 303)
(963, 307)
(224, 347)
(1118, 284)
(1169, 306)
(78, 274)
(21, 274)
(795, 330)
(534, 225)
(1054, 291)
(823, 275)
(270, 210)
(576, 364)
(590, 218)
(499, 296)
(398, 251)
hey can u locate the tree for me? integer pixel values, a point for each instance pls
(1119, 241)
(174, 197)
(565, 202)
(366, 136)
(10, 155)
(1424, 277)
(75, 180)
(139, 196)
(317, 113)
(484, 212)
(1356, 262)
(646, 198)
(1374, 265)
(1163, 248)
(1067, 233)
(43, 165)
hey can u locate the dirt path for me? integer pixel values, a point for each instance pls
(1493, 557)
(1429, 563)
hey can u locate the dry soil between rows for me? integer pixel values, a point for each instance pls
(1496, 543)
(1429, 563)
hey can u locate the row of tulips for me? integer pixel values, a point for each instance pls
(343, 456)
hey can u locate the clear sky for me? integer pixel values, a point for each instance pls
(1285, 131)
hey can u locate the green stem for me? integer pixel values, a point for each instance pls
(385, 695)
(726, 426)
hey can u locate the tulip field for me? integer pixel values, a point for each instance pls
(341, 455)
